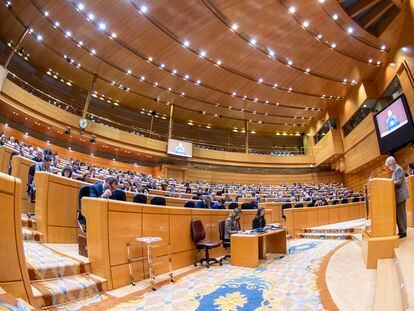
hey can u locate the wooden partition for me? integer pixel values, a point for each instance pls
(410, 201)
(5, 154)
(298, 219)
(56, 207)
(14, 277)
(276, 210)
(113, 224)
(20, 169)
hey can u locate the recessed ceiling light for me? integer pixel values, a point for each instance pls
(186, 43)
(350, 30)
(203, 53)
(39, 38)
(81, 6)
(253, 41)
(93, 51)
(102, 26)
(186, 77)
(335, 16)
(272, 53)
(370, 60)
(260, 80)
(307, 69)
(234, 27)
(46, 13)
(113, 35)
(57, 24)
(290, 63)
(144, 9)
(68, 33)
(383, 47)
(162, 65)
(333, 45)
(234, 93)
(129, 71)
(306, 24)
(91, 16)
(218, 62)
(292, 9)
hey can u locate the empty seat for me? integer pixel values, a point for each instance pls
(189, 204)
(247, 205)
(225, 243)
(356, 199)
(298, 205)
(119, 195)
(140, 198)
(344, 201)
(198, 235)
(158, 201)
(233, 205)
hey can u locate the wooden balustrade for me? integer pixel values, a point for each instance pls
(298, 219)
(113, 224)
(14, 277)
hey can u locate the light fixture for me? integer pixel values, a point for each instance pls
(198, 81)
(81, 6)
(272, 53)
(186, 43)
(253, 41)
(144, 9)
(370, 60)
(383, 47)
(234, 93)
(102, 26)
(307, 69)
(150, 59)
(68, 33)
(93, 51)
(350, 30)
(203, 53)
(290, 63)
(174, 71)
(57, 24)
(162, 65)
(218, 62)
(320, 36)
(186, 77)
(260, 80)
(306, 24)
(39, 37)
(113, 35)
(142, 78)
(46, 13)
(292, 10)
(91, 16)
(335, 16)
(129, 71)
(333, 45)
(234, 27)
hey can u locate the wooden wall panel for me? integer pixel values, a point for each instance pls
(20, 169)
(5, 153)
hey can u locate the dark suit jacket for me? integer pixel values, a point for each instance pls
(97, 191)
(259, 222)
(401, 190)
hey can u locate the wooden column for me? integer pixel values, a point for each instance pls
(88, 99)
(9, 58)
(246, 129)
(170, 125)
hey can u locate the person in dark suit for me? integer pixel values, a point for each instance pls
(259, 220)
(104, 189)
(401, 194)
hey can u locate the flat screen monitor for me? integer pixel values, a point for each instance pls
(394, 125)
(180, 148)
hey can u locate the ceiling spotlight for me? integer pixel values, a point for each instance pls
(370, 60)
(203, 53)
(234, 93)
(335, 16)
(150, 59)
(290, 63)
(91, 16)
(218, 62)
(321, 1)
(383, 47)
(307, 70)
(144, 9)
(93, 51)
(174, 71)
(292, 10)
(113, 35)
(46, 13)
(234, 27)
(186, 77)
(275, 85)
(81, 6)
(182, 93)
(306, 24)
(350, 30)
(378, 63)
(320, 36)
(57, 24)
(68, 33)
(186, 43)
(142, 78)
(290, 89)
(80, 43)
(253, 41)
(39, 38)
(333, 45)
(272, 53)
(260, 80)
(198, 81)
(102, 26)
(129, 71)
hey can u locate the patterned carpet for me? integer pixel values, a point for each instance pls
(288, 283)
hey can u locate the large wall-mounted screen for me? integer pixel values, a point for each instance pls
(394, 125)
(180, 148)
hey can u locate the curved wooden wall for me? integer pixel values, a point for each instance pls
(298, 219)
(14, 277)
(113, 224)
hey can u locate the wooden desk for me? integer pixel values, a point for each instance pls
(247, 249)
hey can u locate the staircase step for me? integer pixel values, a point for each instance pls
(66, 289)
(28, 222)
(319, 230)
(45, 263)
(388, 289)
(79, 304)
(32, 235)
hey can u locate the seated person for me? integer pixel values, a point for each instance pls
(259, 220)
(104, 189)
(232, 223)
(39, 156)
(206, 203)
(45, 165)
(67, 172)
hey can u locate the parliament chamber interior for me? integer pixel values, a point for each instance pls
(207, 155)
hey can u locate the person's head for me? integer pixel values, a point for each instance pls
(390, 163)
(236, 214)
(39, 153)
(208, 200)
(260, 212)
(111, 183)
(86, 177)
(47, 161)
(67, 172)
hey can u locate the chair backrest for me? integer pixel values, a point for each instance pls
(233, 205)
(299, 205)
(140, 198)
(247, 205)
(286, 205)
(344, 201)
(197, 230)
(189, 204)
(120, 195)
(158, 201)
(84, 191)
(30, 175)
(335, 202)
(222, 229)
(355, 200)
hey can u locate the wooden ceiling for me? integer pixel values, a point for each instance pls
(315, 63)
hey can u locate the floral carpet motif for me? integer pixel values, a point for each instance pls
(287, 283)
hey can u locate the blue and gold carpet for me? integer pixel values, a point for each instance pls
(289, 283)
